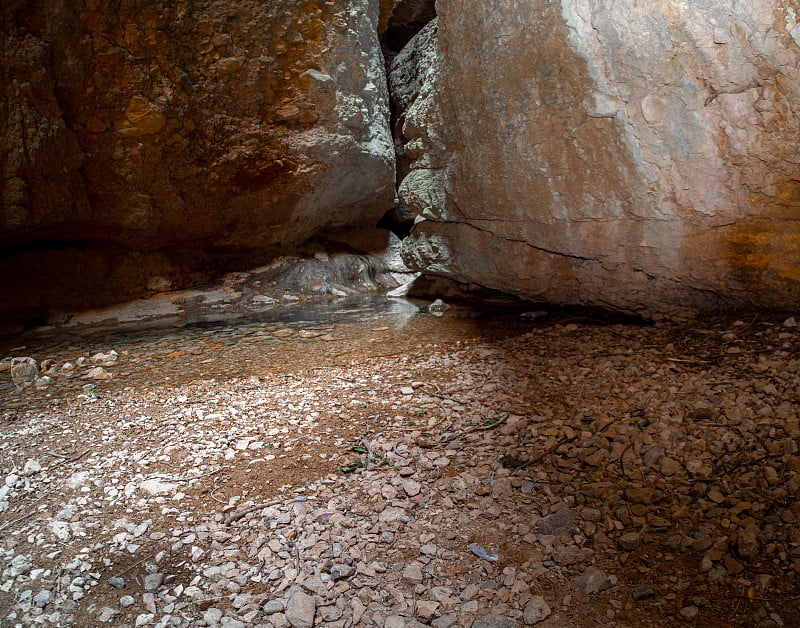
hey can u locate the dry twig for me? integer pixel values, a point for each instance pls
(240, 514)
(68, 460)
(478, 428)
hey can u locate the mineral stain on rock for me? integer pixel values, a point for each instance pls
(765, 259)
(246, 130)
(614, 154)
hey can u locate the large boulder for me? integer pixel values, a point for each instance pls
(145, 142)
(643, 156)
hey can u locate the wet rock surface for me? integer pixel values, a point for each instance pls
(266, 475)
(267, 292)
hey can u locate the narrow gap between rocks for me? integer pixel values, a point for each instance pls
(405, 21)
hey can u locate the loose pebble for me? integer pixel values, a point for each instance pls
(230, 477)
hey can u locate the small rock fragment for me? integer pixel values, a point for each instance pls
(689, 612)
(43, 382)
(105, 359)
(536, 610)
(670, 466)
(411, 487)
(640, 495)
(445, 621)
(106, 614)
(592, 581)
(426, 609)
(23, 371)
(642, 592)
(212, 616)
(157, 487)
(747, 545)
(31, 467)
(272, 607)
(152, 581)
(98, 373)
(484, 554)
(395, 621)
(341, 571)
(300, 610)
(438, 307)
(391, 514)
(559, 523)
(630, 541)
(494, 621)
(413, 573)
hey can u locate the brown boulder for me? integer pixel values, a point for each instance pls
(154, 142)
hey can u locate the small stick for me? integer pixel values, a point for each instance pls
(765, 599)
(68, 460)
(695, 361)
(478, 428)
(8, 524)
(548, 451)
(235, 516)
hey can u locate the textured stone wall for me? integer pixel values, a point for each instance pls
(143, 141)
(639, 155)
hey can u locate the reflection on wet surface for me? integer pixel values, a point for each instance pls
(286, 338)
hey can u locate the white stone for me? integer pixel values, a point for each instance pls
(155, 486)
(31, 466)
(98, 373)
(106, 614)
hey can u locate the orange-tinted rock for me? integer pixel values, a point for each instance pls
(141, 118)
(188, 137)
(639, 156)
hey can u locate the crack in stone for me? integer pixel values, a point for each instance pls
(730, 89)
(526, 243)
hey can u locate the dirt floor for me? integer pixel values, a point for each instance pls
(385, 470)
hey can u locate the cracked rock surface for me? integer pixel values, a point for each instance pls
(636, 156)
(444, 470)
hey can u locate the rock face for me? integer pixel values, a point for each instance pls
(411, 70)
(642, 156)
(141, 143)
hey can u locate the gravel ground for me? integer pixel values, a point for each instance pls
(562, 473)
